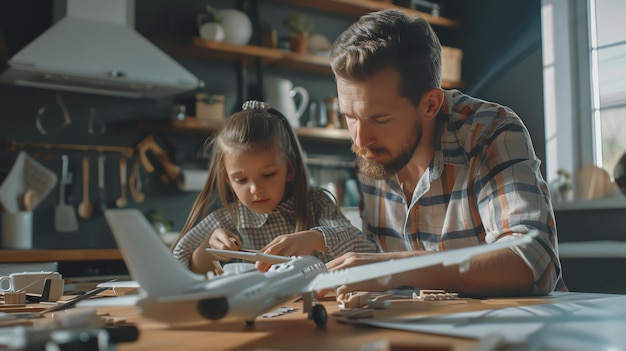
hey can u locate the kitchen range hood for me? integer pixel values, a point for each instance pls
(95, 49)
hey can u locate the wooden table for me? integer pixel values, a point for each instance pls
(291, 331)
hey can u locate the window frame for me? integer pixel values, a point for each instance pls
(572, 140)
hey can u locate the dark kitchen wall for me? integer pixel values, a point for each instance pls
(19, 105)
(503, 60)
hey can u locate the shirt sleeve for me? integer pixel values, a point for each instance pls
(194, 237)
(340, 236)
(513, 199)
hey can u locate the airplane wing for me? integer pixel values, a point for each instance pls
(121, 288)
(333, 279)
(119, 284)
(118, 301)
(248, 255)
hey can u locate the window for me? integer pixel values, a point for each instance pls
(584, 48)
(608, 52)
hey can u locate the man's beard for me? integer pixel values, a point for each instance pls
(380, 171)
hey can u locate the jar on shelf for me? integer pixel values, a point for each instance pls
(209, 109)
(332, 112)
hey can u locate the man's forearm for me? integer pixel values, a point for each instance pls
(500, 273)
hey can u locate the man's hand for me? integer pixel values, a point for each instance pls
(296, 244)
(352, 259)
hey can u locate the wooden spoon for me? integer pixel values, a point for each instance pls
(30, 198)
(85, 209)
(122, 201)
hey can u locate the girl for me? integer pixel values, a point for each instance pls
(258, 171)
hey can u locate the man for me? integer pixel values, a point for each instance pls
(438, 170)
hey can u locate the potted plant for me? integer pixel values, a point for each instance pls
(210, 25)
(299, 27)
(562, 186)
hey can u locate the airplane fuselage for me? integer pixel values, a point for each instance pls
(241, 296)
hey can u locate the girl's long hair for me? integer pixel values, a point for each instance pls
(252, 130)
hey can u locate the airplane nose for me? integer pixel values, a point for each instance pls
(214, 308)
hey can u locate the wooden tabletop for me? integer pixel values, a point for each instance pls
(291, 331)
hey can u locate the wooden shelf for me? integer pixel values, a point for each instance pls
(329, 134)
(198, 48)
(191, 126)
(362, 7)
(10, 256)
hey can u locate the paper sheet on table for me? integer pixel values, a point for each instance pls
(575, 321)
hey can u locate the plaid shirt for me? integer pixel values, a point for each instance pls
(257, 230)
(483, 185)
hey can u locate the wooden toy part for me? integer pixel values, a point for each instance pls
(149, 144)
(381, 301)
(355, 300)
(15, 298)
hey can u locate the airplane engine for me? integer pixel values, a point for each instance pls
(213, 308)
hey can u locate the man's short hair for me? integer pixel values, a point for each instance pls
(390, 38)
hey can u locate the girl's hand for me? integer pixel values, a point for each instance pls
(296, 244)
(223, 239)
(202, 261)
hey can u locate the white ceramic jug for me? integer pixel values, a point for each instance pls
(280, 94)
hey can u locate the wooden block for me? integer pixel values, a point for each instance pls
(355, 300)
(379, 302)
(15, 298)
(435, 295)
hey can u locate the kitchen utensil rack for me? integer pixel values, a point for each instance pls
(126, 151)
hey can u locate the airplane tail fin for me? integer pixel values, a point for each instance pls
(148, 260)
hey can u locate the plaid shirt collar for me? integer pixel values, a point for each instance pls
(251, 219)
(449, 149)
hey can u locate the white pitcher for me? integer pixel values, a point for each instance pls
(280, 94)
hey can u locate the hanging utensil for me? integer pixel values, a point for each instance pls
(102, 193)
(29, 199)
(64, 215)
(85, 209)
(53, 110)
(134, 183)
(122, 201)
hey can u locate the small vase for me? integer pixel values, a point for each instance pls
(211, 31)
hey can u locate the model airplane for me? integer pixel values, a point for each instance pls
(172, 294)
